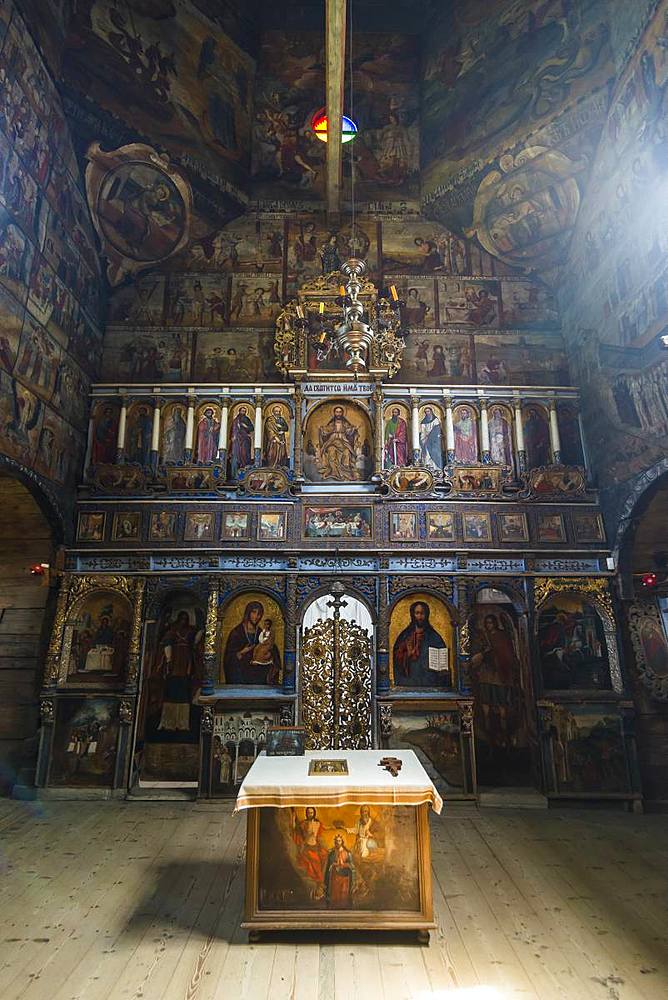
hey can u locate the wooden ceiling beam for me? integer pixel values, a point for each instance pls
(335, 61)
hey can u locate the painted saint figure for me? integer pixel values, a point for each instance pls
(179, 660)
(411, 652)
(311, 853)
(241, 452)
(466, 439)
(339, 448)
(276, 431)
(496, 678)
(249, 657)
(104, 437)
(174, 436)
(431, 444)
(141, 429)
(207, 436)
(396, 440)
(339, 876)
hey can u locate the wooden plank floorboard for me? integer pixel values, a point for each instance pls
(140, 901)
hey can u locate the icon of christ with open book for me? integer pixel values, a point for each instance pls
(420, 654)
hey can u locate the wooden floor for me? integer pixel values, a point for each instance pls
(143, 900)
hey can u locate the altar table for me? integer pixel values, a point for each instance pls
(338, 851)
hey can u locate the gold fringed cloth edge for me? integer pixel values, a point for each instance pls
(281, 782)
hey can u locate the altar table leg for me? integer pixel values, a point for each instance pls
(423, 937)
(255, 936)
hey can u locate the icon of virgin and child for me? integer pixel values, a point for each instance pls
(251, 654)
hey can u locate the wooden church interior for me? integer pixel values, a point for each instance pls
(364, 435)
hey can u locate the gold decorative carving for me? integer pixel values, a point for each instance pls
(596, 588)
(207, 719)
(211, 633)
(52, 666)
(466, 717)
(47, 710)
(336, 686)
(126, 711)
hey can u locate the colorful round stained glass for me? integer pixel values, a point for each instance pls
(320, 126)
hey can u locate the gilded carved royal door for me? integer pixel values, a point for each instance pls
(335, 669)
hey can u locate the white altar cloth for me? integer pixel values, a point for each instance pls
(285, 781)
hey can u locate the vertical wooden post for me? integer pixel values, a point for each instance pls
(335, 59)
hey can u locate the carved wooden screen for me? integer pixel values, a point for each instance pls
(335, 665)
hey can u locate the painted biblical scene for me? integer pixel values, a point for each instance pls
(241, 356)
(418, 247)
(167, 746)
(140, 303)
(422, 643)
(572, 645)
(197, 300)
(475, 479)
(90, 527)
(396, 441)
(550, 528)
(126, 526)
(288, 161)
(419, 300)
(314, 248)
(350, 858)
(440, 526)
(587, 744)
(85, 743)
(528, 305)
(338, 443)
(237, 740)
(171, 74)
(435, 738)
(404, 526)
(521, 359)
(498, 679)
(235, 524)
(98, 635)
(141, 212)
(146, 356)
(252, 641)
(255, 299)
(272, 526)
(338, 522)
(469, 302)
(433, 357)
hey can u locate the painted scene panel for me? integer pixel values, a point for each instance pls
(521, 359)
(348, 858)
(338, 444)
(588, 750)
(85, 743)
(572, 645)
(434, 357)
(239, 356)
(237, 740)
(467, 302)
(146, 356)
(435, 739)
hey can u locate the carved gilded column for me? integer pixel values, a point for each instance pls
(210, 635)
(378, 450)
(291, 624)
(383, 635)
(134, 649)
(298, 436)
(89, 445)
(52, 665)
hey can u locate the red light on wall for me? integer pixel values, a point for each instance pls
(649, 580)
(39, 569)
